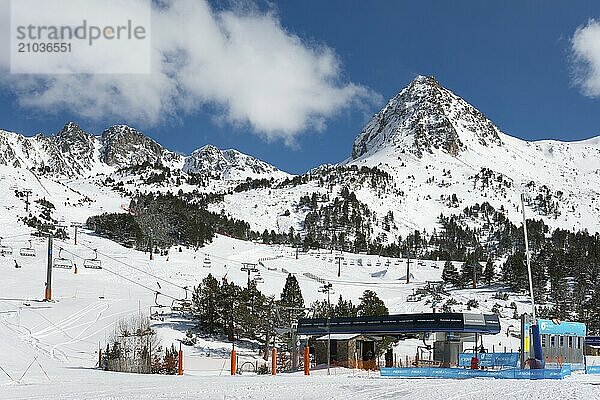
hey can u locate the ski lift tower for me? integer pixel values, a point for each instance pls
(535, 330)
(27, 194)
(328, 288)
(76, 225)
(250, 268)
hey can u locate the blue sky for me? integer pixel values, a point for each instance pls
(513, 60)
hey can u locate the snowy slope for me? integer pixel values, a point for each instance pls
(58, 340)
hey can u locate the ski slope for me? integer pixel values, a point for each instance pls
(49, 349)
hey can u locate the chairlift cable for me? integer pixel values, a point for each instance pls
(124, 277)
(136, 268)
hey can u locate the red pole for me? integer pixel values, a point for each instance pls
(180, 363)
(233, 361)
(274, 362)
(306, 361)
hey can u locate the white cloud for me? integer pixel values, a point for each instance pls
(242, 63)
(585, 46)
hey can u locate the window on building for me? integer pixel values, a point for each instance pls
(561, 341)
(544, 340)
(570, 341)
(552, 341)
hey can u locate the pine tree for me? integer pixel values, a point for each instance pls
(471, 271)
(205, 304)
(344, 308)
(371, 305)
(450, 273)
(291, 295)
(488, 272)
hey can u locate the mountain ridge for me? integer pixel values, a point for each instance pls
(74, 152)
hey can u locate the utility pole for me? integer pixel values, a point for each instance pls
(327, 288)
(408, 269)
(48, 293)
(339, 261)
(475, 275)
(27, 194)
(249, 268)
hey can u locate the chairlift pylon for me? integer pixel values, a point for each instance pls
(93, 263)
(61, 262)
(27, 251)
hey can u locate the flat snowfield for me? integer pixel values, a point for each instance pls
(92, 385)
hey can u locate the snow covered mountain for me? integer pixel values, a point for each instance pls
(443, 155)
(229, 165)
(427, 152)
(425, 117)
(73, 152)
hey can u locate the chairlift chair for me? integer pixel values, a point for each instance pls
(181, 306)
(93, 263)
(156, 310)
(5, 250)
(27, 251)
(207, 262)
(61, 262)
(259, 279)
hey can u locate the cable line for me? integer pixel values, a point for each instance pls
(136, 268)
(126, 278)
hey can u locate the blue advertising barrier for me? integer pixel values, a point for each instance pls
(460, 373)
(490, 359)
(592, 369)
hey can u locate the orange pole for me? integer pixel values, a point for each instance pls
(306, 361)
(274, 362)
(233, 361)
(48, 296)
(180, 363)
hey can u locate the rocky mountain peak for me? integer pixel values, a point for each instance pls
(228, 164)
(124, 146)
(426, 117)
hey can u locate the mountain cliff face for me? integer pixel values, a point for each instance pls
(425, 117)
(123, 146)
